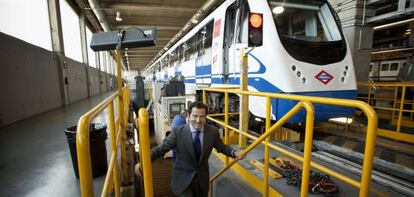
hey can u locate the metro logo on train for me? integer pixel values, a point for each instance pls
(324, 77)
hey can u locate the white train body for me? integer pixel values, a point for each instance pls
(307, 55)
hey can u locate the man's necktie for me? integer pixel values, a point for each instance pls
(197, 145)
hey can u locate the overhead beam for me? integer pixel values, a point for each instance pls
(158, 27)
(391, 15)
(151, 21)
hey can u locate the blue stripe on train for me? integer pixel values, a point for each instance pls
(322, 112)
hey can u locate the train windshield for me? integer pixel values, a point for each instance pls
(309, 31)
(305, 20)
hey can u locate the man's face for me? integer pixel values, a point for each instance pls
(197, 117)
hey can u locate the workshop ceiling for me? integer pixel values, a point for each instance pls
(169, 17)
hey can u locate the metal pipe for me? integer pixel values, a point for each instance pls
(266, 152)
(114, 151)
(380, 27)
(121, 114)
(392, 50)
(96, 8)
(307, 153)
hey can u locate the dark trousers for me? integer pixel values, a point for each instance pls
(193, 190)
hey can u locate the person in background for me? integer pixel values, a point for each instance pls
(178, 120)
(406, 74)
(194, 142)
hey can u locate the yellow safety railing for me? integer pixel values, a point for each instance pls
(144, 150)
(394, 94)
(117, 131)
(303, 102)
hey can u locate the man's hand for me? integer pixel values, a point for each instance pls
(238, 154)
(137, 169)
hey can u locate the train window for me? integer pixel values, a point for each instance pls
(190, 48)
(394, 67)
(204, 38)
(209, 35)
(311, 22)
(385, 67)
(182, 54)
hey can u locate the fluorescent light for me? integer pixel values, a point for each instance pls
(278, 10)
(342, 120)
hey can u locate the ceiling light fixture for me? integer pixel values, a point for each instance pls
(278, 10)
(118, 16)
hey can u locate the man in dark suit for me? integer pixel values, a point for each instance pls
(194, 143)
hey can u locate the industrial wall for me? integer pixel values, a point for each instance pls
(76, 74)
(29, 80)
(94, 79)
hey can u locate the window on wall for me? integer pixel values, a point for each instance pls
(113, 63)
(26, 20)
(102, 60)
(108, 64)
(91, 53)
(71, 32)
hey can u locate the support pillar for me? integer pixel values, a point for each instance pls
(58, 48)
(84, 46)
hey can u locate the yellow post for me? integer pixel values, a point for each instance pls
(244, 100)
(369, 94)
(310, 115)
(372, 122)
(394, 106)
(400, 113)
(266, 152)
(144, 143)
(84, 158)
(226, 122)
(412, 108)
(204, 97)
(121, 115)
(113, 148)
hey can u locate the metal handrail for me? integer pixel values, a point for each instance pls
(271, 130)
(307, 102)
(396, 112)
(83, 145)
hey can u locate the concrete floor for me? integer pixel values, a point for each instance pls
(35, 158)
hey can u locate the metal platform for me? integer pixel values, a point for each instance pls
(278, 187)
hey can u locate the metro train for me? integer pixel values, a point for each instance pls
(385, 70)
(303, 51)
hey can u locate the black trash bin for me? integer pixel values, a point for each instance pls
(97, 137)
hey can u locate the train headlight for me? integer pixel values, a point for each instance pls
(255, 30)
